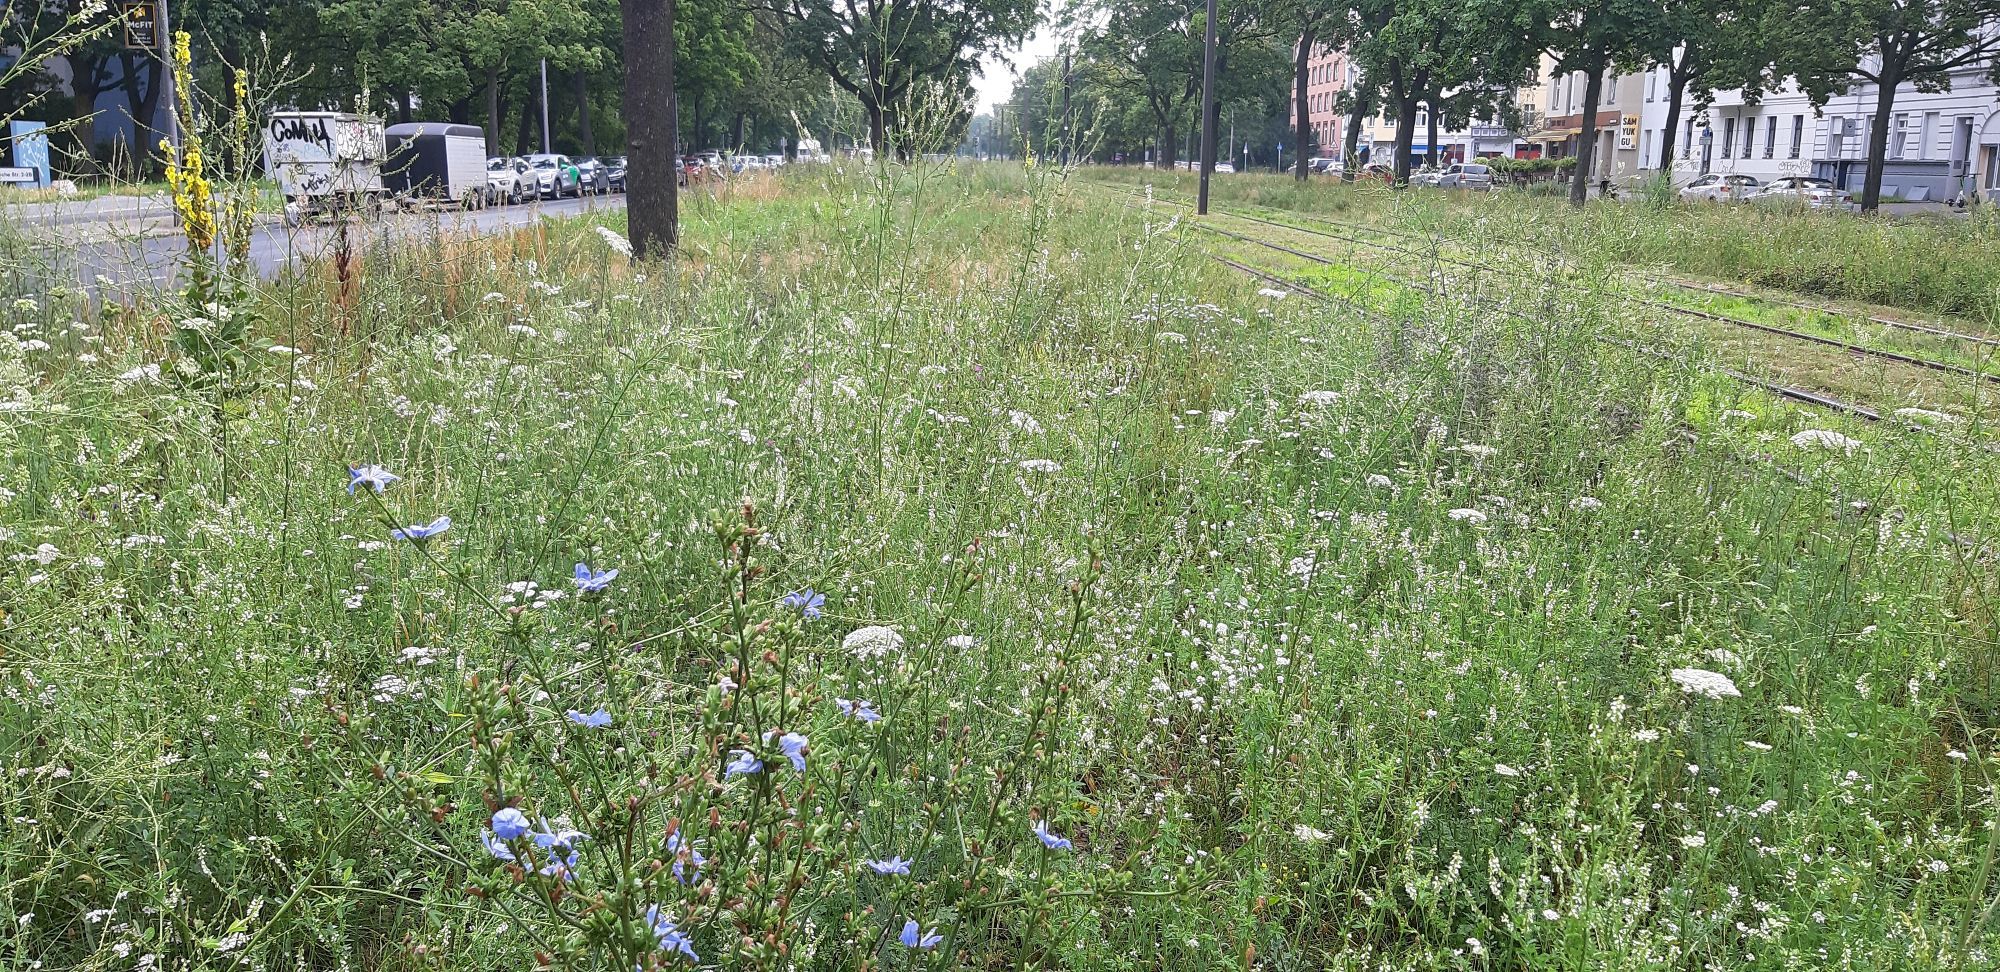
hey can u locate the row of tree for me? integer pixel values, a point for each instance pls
(1138, 67)
(750, 71)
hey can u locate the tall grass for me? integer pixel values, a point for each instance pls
(1325, 642)
(1937, 263)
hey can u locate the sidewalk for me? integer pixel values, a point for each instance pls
(101, 209)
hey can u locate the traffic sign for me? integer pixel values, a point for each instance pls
(142, 26)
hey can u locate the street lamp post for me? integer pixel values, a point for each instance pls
(1207, 109)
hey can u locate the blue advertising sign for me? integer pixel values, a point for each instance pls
(31, 148)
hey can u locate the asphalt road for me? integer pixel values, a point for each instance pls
(127, 258)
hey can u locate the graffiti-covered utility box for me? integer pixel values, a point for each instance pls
(325, 161)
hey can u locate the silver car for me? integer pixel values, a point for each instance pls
(1466, 175)
(1716, 187)
(1803, 190)
(555, 176)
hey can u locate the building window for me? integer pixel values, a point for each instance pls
(1687, 139)
(1899, 132)
(1749, 135)
(1770, 136)
(1728, 137)
(1652, 82)
(1927, 139)
(1798, 134)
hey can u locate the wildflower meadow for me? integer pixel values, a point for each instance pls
(954, 567)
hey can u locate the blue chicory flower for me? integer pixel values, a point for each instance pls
(807, 602)
(372, 476)
(794, 746)
(742, 761)
(595, 720)
(422, 531)
(861, 709)
(667, 936)
(494, 845)
(894, 865)
(694, 856)
(592, 581)
(1049, 840)
(510, 824)
(914, 938)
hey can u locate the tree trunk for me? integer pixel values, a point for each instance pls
(1406, 124)
(1350, 147)
(1890, 76)
(1303, 130)
(1586, 145)
(652, 201)
(582, 89)
(1168, 146)
(403, 107)
(1431, 136)
(1677, 82)
(878, 126)
(524, 134)
(493, 110)
(736, 134)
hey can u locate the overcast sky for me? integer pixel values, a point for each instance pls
(997, 80)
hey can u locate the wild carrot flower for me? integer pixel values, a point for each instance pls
(912, 937)
(1701, 681)
(1467, 515)
(893, 865)
(371, 476)
(807, 602)
(594, 720)
(1040, 465)
(1048, 839)
(422, 531)
(742, 761)
(861, 709)
(874, 641)
(592, 581)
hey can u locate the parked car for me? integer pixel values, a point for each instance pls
(1224, 167)
(510, 179)
(1716, 187)
(774, 161)
(1323, 166)
(614, 172)
(1425, 176)
(1466, 175)
(596, 181)
(555, 176)
(1803, 190)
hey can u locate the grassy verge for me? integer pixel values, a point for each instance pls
(1207, 629)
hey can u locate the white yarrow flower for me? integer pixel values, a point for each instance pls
(1310, 835)
(1505, 770)
(1701, 681)
(1467, 515)
(1040, 465)
(618, 244)
(874, 641)
(1321, 397)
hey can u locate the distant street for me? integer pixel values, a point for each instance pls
(134, 251)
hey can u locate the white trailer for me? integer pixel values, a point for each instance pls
(325, 162)
(438, 161)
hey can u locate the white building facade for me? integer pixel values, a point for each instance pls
(1942, 145)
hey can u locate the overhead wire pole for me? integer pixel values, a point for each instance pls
(545, 110)
(1207, 110)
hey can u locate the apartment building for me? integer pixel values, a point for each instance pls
(1620, 121)
(1328, 73)
(1942, 144)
